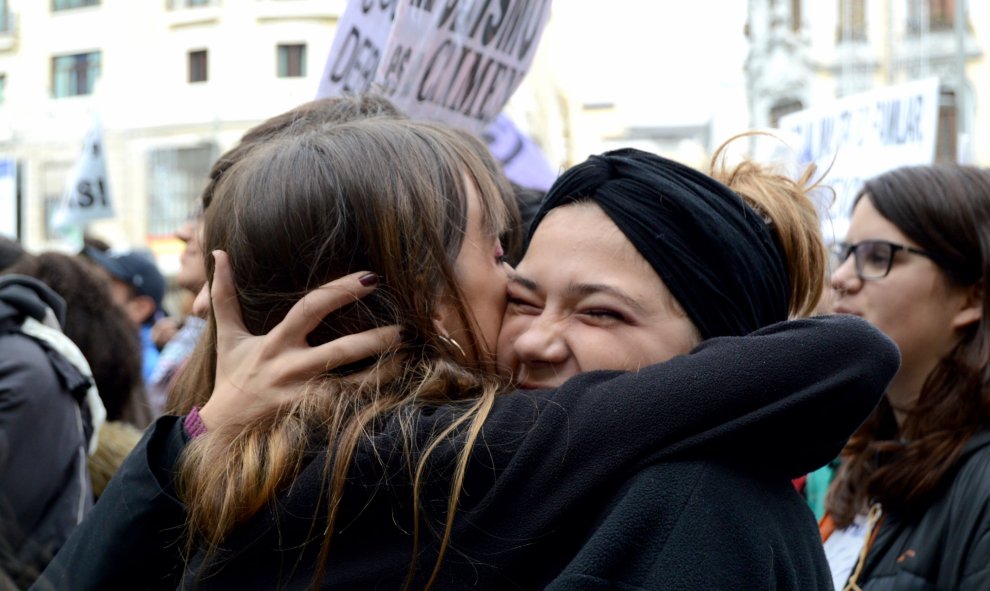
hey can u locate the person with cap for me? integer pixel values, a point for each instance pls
(425, 470)
(138, 287)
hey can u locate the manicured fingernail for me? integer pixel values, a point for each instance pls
(369, 279)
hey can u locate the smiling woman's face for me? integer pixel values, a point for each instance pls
(583, 299)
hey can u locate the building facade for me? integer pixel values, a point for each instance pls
(172, 83)
(804, 53)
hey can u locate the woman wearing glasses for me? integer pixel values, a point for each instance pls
(910, 505)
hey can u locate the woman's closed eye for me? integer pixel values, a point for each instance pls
(603, 315)
(523, 306)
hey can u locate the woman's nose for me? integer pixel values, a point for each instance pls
(844, 278)
(542, 342)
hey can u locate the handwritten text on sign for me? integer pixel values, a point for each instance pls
(457, 61)
(864, 135)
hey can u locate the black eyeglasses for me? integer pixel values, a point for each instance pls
(874, 258)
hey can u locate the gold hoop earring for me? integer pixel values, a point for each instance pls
(453, 343)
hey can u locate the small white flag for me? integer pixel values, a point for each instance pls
(87, 192)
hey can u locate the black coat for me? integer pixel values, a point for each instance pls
(700, 526)
(546, 467)
(948, 547)
(44, 434)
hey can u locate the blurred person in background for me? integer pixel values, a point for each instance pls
(100, 329)
(49, 416)
(92, 320)
(909, 507)
(191, 278)
(138, 287)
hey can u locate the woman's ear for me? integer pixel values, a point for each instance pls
(972, 309)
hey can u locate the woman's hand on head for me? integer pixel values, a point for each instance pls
(257, 373)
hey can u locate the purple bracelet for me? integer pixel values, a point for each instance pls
(193, 424)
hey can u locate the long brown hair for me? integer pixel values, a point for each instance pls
(945, 209)
(296, 212)
(786, 203)
(307, 116)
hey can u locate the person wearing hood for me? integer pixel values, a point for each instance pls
(49, 413)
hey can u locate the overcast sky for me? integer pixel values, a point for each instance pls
(658, 61)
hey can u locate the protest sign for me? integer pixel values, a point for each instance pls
(87, 192)
(362, 34)
(863, 135)
(456, 61)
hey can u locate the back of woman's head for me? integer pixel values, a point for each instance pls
(307, 116)
(786, 203)
(384, 196)
(381, 196)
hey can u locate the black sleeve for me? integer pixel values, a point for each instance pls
(133, 537)
(690, 525)
(787, 396)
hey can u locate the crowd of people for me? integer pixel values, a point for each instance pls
(365, 394)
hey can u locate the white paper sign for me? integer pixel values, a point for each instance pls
(362, 34)
(456, 61)
(863, 135)
(87, 192)
(8, 197)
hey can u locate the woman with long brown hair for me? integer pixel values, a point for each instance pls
(910, 505)
(419, 467)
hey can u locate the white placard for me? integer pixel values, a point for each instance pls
(860, 136)
(456, 61)
(358, 44)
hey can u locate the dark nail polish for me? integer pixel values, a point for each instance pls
(369, 279)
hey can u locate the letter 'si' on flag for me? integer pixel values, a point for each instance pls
(87, 190)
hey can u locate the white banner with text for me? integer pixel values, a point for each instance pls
(860, 136)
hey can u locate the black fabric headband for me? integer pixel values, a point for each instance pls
(715, 253)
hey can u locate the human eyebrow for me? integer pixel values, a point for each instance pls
(526, 282)
(587, 289)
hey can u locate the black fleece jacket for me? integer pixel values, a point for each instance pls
(546, 467)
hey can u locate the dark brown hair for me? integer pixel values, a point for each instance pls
(945, 209)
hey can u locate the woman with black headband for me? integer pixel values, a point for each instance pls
(634, 259)
(429, 496)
